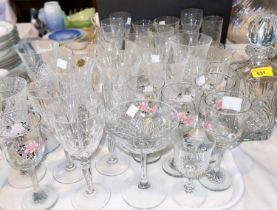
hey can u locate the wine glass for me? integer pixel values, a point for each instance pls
(142, 127)
(191, 19)
(192, 158)
(126, 18)
(144, 87)
(184, 97)
(14, 97)
(225, 122)
(79, 124)
(42, 94)
(24, 149)
(165, 22)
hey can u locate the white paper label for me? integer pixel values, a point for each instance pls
(61, 63)
(155, 58)
(132, 110)
(232, 103)
(148, 89)
(128, 22)
(201, 80)
(162, 22)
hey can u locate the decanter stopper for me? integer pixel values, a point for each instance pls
(261, 30)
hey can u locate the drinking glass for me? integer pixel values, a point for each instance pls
(189, 53)
(42, 94)
(191, 19)
(142, 25)
(225, 122)
(212, 26)
(142, 127)
(24, 149)
(184, 97)
(37, 55)
(125, 16)
(79, 124)
(14, 97)
(165, 22)
(192, 158)
(142, 87)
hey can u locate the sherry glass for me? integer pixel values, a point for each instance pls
(142, 127)
(192, 157)
(24, 149)
(79, 125)
(42, 94)
(225, 122)
(13, 96)
(184, 97)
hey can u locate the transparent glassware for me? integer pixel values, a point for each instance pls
(184, 98)
(142, 25)
(225, 122)
(165, 22)
(191, 19)
(24, 149)
(212, 26)
(79, 125)
(142, 127)
(144, 87)
(14, 97)
(42, 94)
(125, 16)
(192, 157)
(258, 77)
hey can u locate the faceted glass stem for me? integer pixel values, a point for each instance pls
(86, 169)
(144, 184)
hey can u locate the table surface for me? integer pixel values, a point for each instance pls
(255, 161)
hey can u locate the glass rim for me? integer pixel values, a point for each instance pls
(207, 42)
(3, 117)
(213, 18)
(164, 18)
(192, 10)
(146, 23)
(209, 106)
(128, 14)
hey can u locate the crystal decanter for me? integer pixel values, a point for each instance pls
(259, 77)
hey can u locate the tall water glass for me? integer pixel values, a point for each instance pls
(212, 26)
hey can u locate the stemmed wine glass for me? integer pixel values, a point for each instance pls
(142, 127)
(192, 158)
(79, 124)
(14, 97)
(225, 122)
(191, 19)
(42, 94)
(24, 149)
(184, 97)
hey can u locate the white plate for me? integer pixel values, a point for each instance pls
(5, 28)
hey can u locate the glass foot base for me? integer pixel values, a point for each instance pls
(64, 176)
(151, 158)
(97, 200)
(216, 181)
(112, 168)
(170, 169)
(193, 199)
(143, 198)
(20, 179)
(51, 197)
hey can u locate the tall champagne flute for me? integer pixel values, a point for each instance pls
(225, 122)
(13, 96)
(42, 94)
(79, 124)
(24, 149)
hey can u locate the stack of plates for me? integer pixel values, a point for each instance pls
(9, 59)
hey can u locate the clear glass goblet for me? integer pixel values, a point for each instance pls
(24, 149)
(42, 94)
(79, 125)
(142, 127)
(192, 158)
(191, 19)
(144, 87)
(13, 96)
(225, 122)
(184, 97)
(126, 18)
